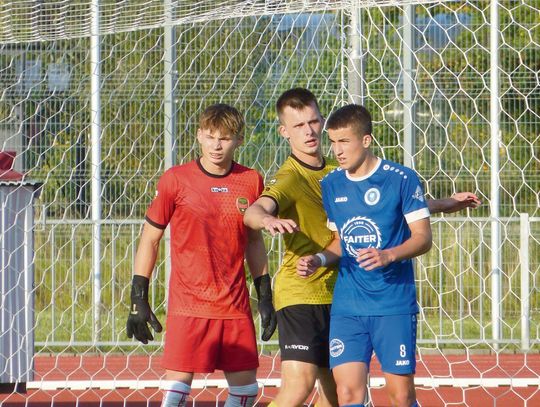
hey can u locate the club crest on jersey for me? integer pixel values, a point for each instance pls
(242, 204)
(360, 233)
(219, 189)
(418, 194)
(336, 347)
(372, 196)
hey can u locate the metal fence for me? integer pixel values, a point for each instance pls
(453, 283)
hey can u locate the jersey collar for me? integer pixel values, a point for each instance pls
(356, 179)
(310, 167)
(214, 175)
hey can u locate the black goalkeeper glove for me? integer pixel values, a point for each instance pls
(263, 287)
(140, 313)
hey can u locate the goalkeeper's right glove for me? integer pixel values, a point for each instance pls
(140, 313)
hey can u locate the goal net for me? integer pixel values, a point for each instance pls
(98, 98)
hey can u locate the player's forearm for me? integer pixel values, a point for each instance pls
(416, 245)
(145, 258)
(332, 252)
(256, 257)
(457, 202)
(438, 205)
(255, 215)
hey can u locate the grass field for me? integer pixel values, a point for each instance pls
(453, 283)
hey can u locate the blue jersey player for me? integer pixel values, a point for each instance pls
(379, 210)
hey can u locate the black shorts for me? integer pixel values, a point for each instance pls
(303, 333)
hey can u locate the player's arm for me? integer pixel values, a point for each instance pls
(256, 257)
(308, 265)
(145, 259)
(457, 202)
(257, 261)
(260, 215)
(147, 251)
(419, 243)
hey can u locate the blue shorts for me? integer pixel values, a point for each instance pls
(392, 337)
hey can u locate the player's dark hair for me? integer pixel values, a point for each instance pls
(224, 118)
(355, 116)
(296, 98)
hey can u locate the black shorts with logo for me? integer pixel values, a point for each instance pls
(303, 333)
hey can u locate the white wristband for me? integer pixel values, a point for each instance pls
(322, 257)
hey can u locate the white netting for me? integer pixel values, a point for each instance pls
(424, 72)
(35, 20)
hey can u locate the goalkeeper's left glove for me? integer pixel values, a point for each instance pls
(263, 287)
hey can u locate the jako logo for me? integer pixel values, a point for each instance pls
(219, 189)
(341, 199)
(336, 348)
(402, 362)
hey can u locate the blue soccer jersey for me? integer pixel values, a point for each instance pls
(374, 211)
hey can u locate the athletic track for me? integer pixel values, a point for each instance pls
(91, 381)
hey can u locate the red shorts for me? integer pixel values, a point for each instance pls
(201, 345)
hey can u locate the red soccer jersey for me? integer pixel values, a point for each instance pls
(208, 238)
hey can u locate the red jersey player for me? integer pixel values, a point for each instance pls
(209, 323)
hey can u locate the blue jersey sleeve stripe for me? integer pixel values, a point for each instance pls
(417, 215)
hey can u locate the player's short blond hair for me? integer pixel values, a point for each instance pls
(224, 118)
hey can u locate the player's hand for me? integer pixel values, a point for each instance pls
(268, 319)
(266, 309)
(370, 259)
(307, 265)
(275, 225)
(141, 314)
(462, 200)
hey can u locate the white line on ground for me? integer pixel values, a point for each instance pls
(222, 383)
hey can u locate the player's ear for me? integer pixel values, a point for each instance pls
(366, 140)
(283, 131)
(239, 140)
(199, 135)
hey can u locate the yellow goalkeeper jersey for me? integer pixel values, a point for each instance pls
(296, 189)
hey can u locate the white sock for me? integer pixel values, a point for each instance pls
(242, 396)
(176, 394)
